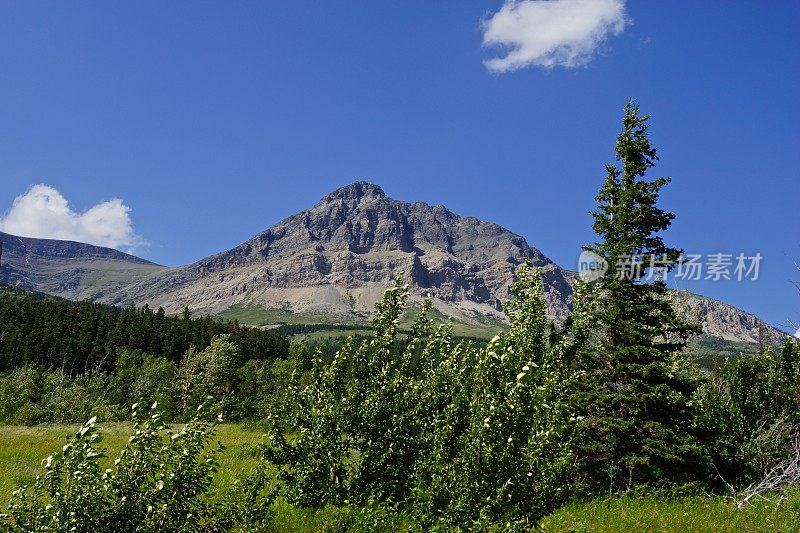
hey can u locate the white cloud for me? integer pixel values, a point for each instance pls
(797, 333)
(44, 213)
(551, 33)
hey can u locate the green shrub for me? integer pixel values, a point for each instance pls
(457, 435)
(209, 372)
(159, 482)
(751, 412)
(33, 395)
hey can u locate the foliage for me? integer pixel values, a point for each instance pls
(636, 399)
(751, 413)
(33, 394)
(339, 425)
(21, 448)
(140, 375)
(207, 373)
(159, 482)
(76, 337)
(515, 461)
(462, 436)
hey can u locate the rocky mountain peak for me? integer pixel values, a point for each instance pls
(356, 191)
(340, 255)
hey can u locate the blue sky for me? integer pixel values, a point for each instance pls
(213, 121)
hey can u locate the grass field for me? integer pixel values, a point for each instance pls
(259, 316)
(23, 448)
(487, 327)
(697, 514)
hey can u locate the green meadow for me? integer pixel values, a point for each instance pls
(22, 449)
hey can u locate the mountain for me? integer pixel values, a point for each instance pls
(331, 263)
(69, 269)
(334, 260)
(724, 321)
(338, 257)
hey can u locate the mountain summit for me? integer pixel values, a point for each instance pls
(356, 191)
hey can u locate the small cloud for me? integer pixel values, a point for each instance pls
(44, 213)
(551, 33)
(797, 334)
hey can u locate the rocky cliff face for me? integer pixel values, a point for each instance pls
(724, 321)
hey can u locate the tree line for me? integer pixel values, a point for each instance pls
(77, 337)
(64, 361)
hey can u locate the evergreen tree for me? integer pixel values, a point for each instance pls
(638, 421)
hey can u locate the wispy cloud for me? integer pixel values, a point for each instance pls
(43, 212)
(551, 33)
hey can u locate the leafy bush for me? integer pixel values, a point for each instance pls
(32, 395)
(141, 375)
(209, 372)
(463, 436)
(159, 482)
(751, 412)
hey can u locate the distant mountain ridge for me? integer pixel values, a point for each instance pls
(51, 248)
(69, 269)
(336, 258)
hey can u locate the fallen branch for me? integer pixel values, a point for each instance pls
(775, 481)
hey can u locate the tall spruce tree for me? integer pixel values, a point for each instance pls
(638, 424)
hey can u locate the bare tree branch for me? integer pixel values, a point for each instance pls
(772, 487)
